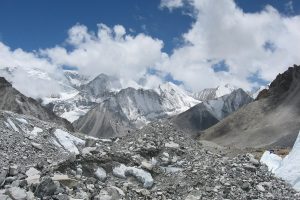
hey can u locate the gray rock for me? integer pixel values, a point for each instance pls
(110, 193)
(90, 142)
(3, 174)
(17, 193)
(65, 180)
(245, 186)
(254, 161)
(249, 167)
(33, 176)
(100, 173)
(172, 145)
(47, 187)
(37, 145)
(13, 170)
(194, 195)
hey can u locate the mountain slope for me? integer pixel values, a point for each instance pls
(208, 113)
(13, 100)
(272, 120)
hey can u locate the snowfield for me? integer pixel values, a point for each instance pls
(287, 168)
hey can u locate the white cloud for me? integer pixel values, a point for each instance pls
(222, 31)
(110, 51)
(171, 4)
(32, 75)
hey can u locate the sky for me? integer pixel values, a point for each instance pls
(195, 43)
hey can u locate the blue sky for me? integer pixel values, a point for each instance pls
(35, 24)
(196, 43)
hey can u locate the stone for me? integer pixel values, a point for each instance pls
(147, 165)
(87, 150)
(65, 180)
(30, 195)
(110, 193)
(32, 171)
(90, 142)
(47, 187)
(4, 197)
(33, 176)
(79, 171)
(82, 195)
(10, 179)
(260, 187)
(2, 177)
(172, 145)
(254, 161)
(13, 170)
(249, 167)
(245, 186)
(61, 197)
(17, 193)
(100, 174)
(37, 145)
(194, 195)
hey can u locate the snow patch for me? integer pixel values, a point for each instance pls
(12, 125)
(73, 115)
(122, 171)
(36, 131)
(271, 160)
(287, 168)
(24, 121)
(68, 141)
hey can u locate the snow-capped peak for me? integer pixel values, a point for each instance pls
(224, 89)
(212, 93)
(175, 99)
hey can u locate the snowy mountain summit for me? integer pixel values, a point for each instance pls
(212, 93)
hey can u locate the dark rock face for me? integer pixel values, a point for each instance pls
(282, 83)
(12, 100)
(195, 119)
(268, 121)
(209, 113)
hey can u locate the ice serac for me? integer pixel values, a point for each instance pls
(133, 108)
(208, 113)
(287, 168)
(272, 120)
(12, 100)
(212, 93)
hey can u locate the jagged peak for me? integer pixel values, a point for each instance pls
(282, 83)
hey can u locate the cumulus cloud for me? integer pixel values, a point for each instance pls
(30, 74)
(260, 45)
(222, 31)
(109, 50)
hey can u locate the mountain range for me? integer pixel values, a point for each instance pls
(272, 120)
(124, 136)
